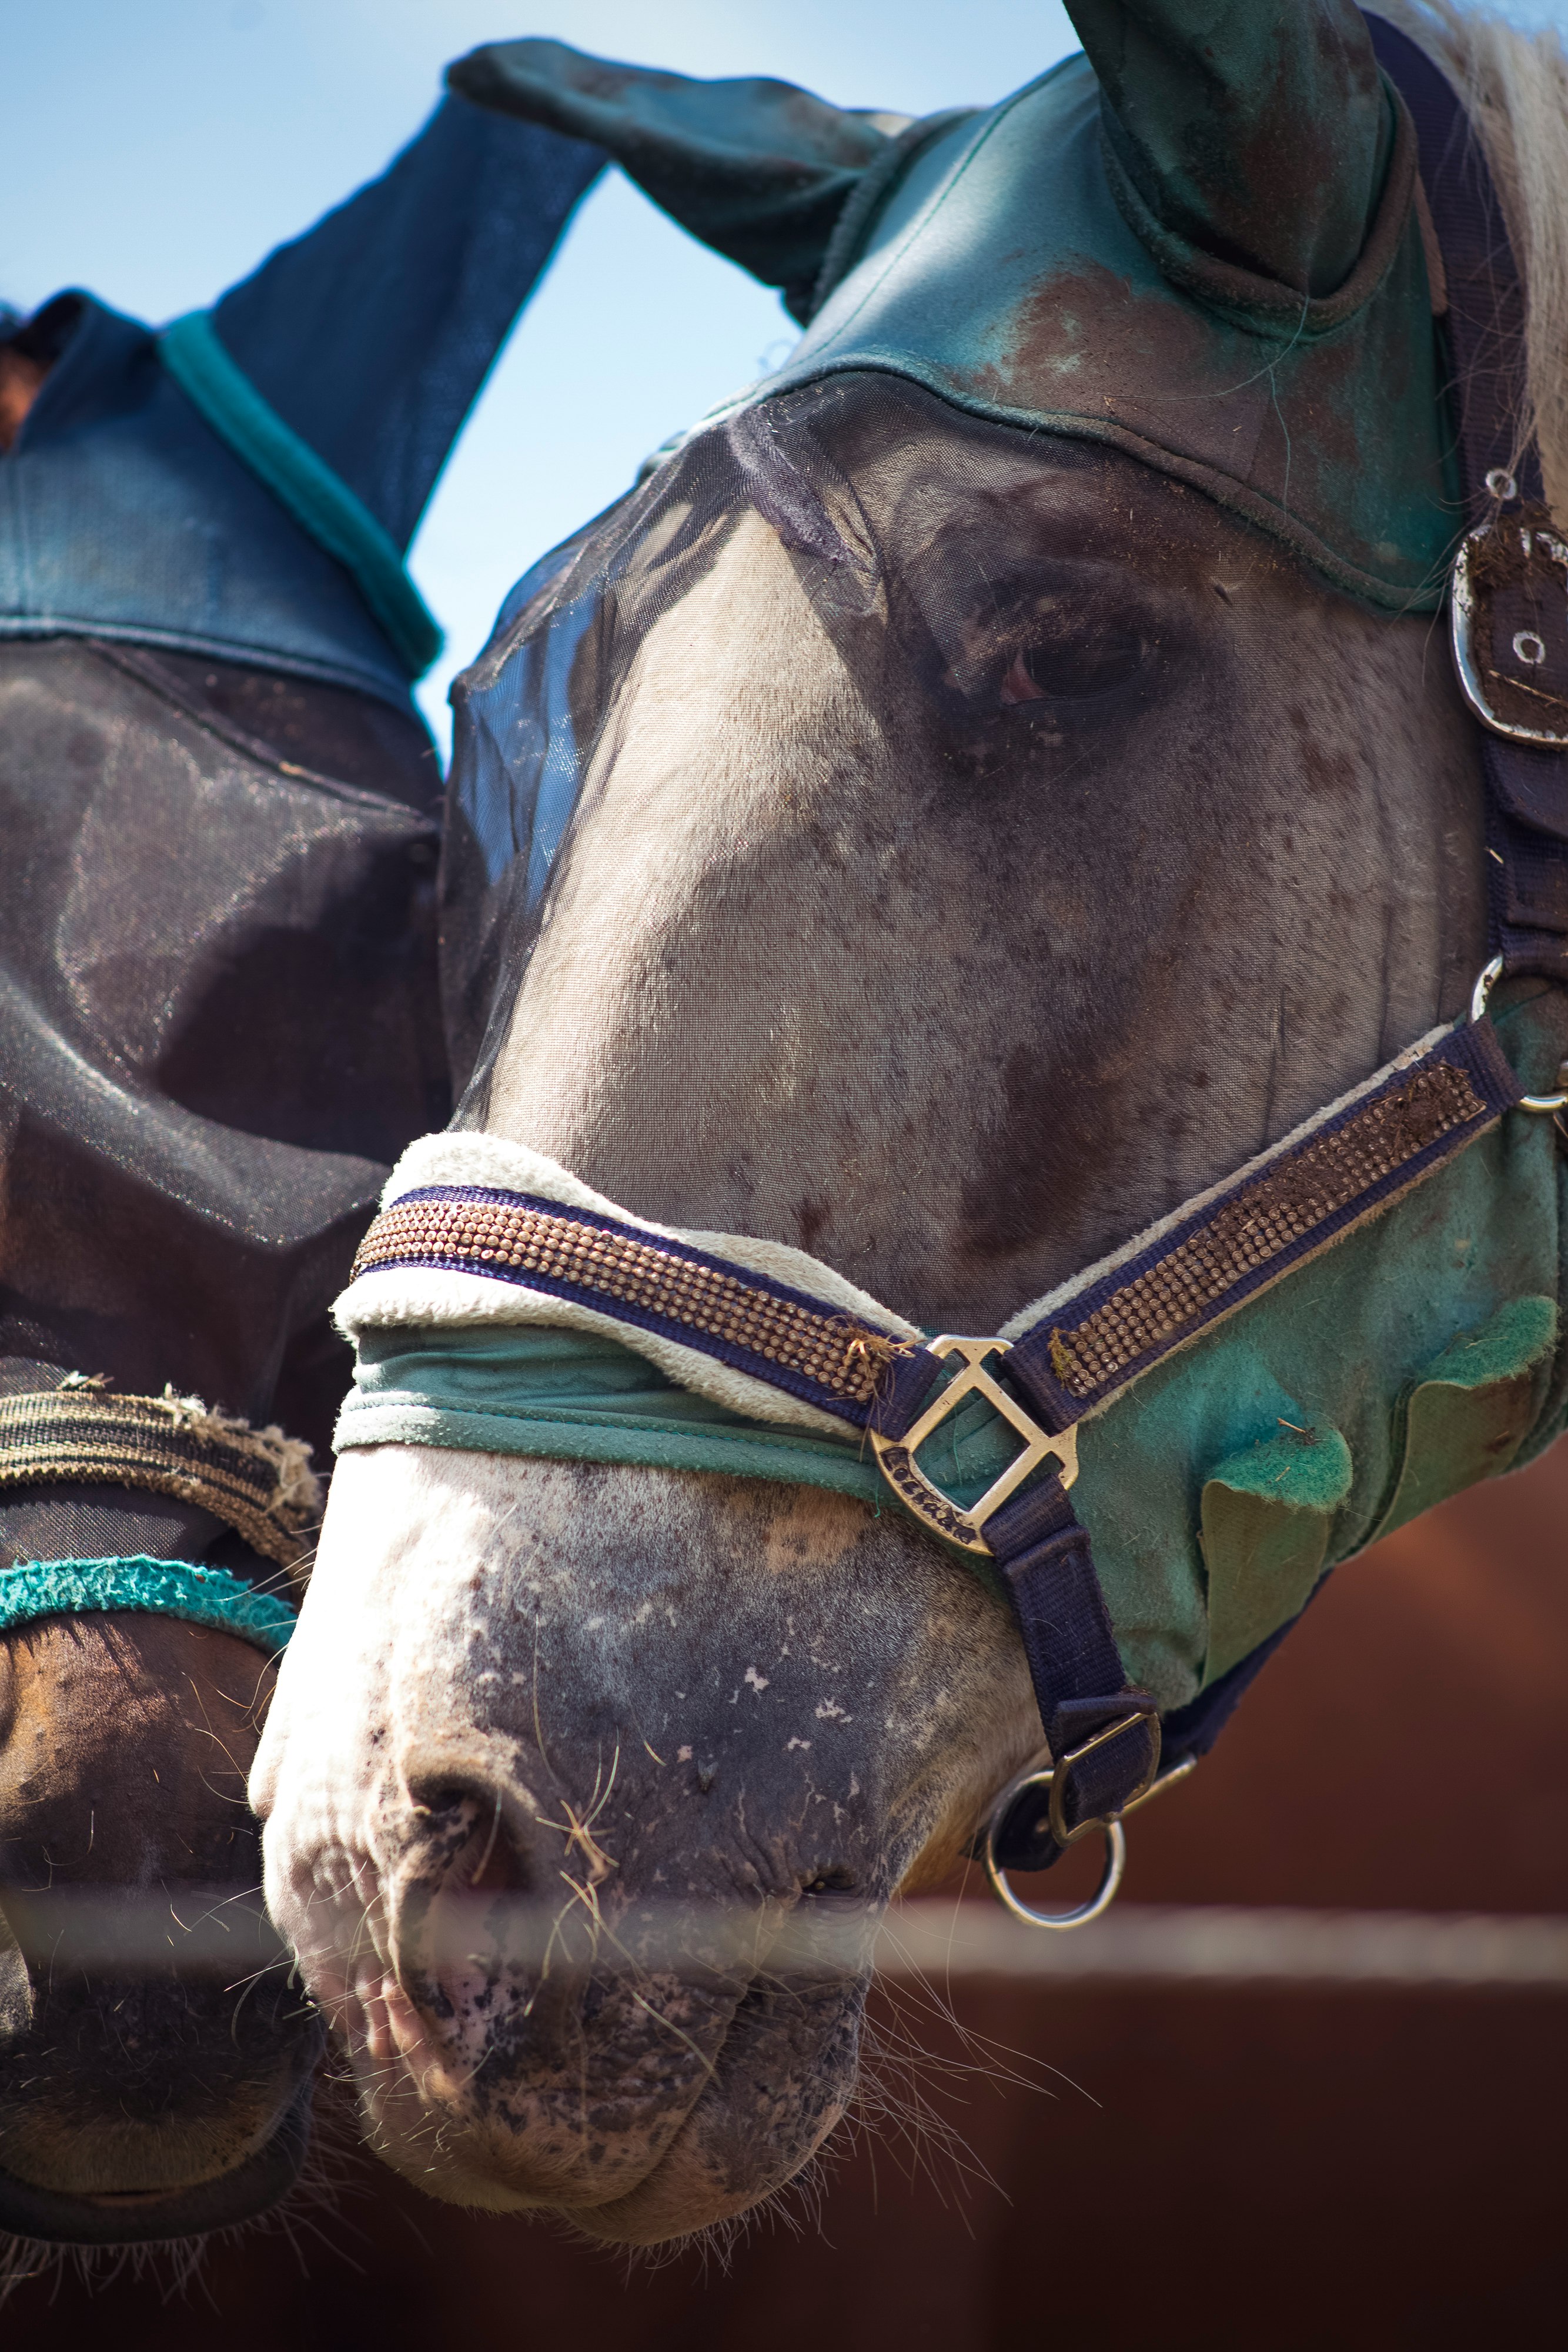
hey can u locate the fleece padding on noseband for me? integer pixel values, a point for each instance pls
(433, 1294)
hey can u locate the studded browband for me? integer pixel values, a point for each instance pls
(1093, 1341)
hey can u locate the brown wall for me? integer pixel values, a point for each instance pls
(1212, 2168)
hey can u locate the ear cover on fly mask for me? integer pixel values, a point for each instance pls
(1201, 242)
(758, 169)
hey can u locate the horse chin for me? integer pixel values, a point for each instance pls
(62, 2217)
(783, 2083)
(780, 2081)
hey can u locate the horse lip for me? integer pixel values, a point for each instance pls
(136, 2217)
(126, 2199)
(622, 2208)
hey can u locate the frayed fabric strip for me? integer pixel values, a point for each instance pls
(256, 1480)
(165, 1588)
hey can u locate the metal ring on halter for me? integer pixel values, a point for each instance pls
(1040, 1777)
(1479, 995)
(1104, 1894)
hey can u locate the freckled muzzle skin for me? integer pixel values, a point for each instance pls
(665, 1759)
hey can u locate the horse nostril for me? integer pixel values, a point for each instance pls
(499, 1868)
(438, 1798)
(473, 1850)
(835, 1881)
(460, 1910)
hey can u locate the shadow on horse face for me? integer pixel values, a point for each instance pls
(157, 2063)
(983, 844)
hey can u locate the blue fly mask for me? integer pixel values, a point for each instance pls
(1160, 1459)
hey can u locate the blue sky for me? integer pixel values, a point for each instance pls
(155, 149)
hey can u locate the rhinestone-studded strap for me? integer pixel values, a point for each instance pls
(813, 1351)
(1248, 1235)
(1244, 1237)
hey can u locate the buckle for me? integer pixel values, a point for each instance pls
(895, 1456)
(1479, 998)
(1509, 623)
(1065, 1765)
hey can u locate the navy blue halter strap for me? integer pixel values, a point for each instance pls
(1162, 1294)
(1483, 325)
(1107, 1740)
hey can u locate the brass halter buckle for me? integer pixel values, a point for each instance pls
(895, 1456)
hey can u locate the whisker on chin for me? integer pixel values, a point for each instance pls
(336, 2170)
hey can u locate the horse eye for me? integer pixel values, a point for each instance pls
(1063, 669)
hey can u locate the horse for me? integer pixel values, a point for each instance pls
(950, 816)
(218, 988)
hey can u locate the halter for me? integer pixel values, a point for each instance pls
(738, 1329)
(258, 1483)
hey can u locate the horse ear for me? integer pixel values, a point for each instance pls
(1256, 133)
(758, 169)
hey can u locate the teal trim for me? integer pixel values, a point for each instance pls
(568, 1396)
(167, 1588)
(589, 1437)
(319, 501)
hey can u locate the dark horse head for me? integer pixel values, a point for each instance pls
(976, 793)
(217, 997)
(155, 2059)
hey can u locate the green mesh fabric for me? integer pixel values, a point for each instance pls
(1198, 242)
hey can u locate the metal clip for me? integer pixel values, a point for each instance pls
(1482, 990)
(1062, 1776)
(895, 1456)
(1115, 1836)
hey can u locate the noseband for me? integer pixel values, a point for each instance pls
(1069, 1358)
(258, 1483)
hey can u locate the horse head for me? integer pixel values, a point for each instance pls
(159, 2059)
(158, 2064)
(219, 1005)
(981, 789)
